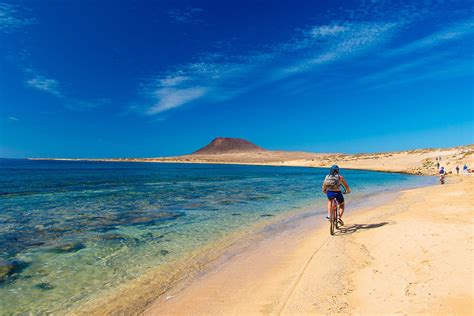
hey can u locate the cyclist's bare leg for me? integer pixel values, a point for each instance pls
(329, 208)
(341, 209)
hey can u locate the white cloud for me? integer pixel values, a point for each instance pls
(454, 32)
(354, 39)
(416, 61)
(44, 84)
(404, 68)
(51, 86)
(169, 98)
(219, 77)
(11, 19)
(173, 81)
(327, 30)
(452, 69)
(12, 118)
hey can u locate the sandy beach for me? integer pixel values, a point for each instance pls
(409, 253)
(412, 254)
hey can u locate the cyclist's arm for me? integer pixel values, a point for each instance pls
(324, 188)
(344, 183)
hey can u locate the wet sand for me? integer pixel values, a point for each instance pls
(413, 254)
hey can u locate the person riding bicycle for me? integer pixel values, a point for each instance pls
(332, 188)
(442, 171)
(442, 175)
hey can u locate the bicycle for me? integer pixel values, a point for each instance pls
(334, 214)
(442, 178)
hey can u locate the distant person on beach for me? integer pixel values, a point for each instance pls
(442, 175)
(457, 169)
(332, 188)
(437, 165)
(465, 169)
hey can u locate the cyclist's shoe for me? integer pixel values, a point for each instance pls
(327, 217)
(341, 222)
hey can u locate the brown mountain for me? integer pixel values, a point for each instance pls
(225, 145)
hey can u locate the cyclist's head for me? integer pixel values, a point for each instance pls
(334, 170)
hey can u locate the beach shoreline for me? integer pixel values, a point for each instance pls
(136, 260)
(291, 273)
(275, 254)
(288, 228)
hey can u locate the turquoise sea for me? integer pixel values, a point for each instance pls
(71, 231)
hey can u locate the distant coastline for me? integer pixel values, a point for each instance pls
(417, 161)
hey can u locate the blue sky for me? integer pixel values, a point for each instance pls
(153, 78)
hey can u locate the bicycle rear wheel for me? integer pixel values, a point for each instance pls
(331, 221)
(336, 217)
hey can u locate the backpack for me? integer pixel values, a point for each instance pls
(332, 182)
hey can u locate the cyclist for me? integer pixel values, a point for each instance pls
(442, 175)
(332, 188)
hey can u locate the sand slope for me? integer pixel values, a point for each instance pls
(414, 254)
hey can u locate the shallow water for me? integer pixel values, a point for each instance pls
(72, 230)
